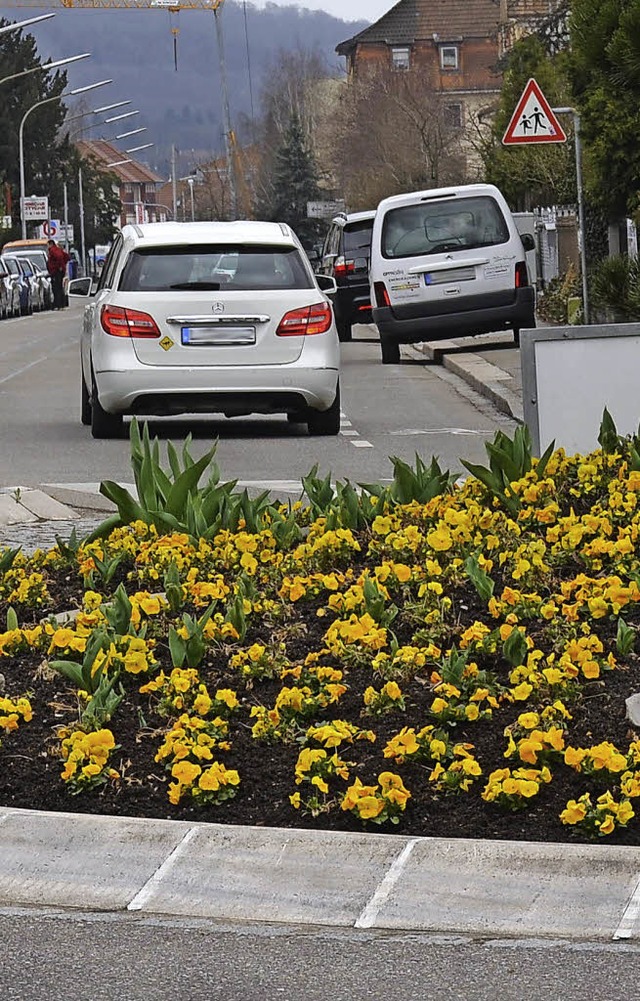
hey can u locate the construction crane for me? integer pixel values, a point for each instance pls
(174, 7)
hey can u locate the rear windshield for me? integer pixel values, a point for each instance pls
(436, 226)
(13, 265)
(357, 236)
(38, 259)
(193, 268)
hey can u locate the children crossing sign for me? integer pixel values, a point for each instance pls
(533, 121)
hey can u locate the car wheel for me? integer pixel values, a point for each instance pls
(345, 332)
(390, 352)
(296, 418)
(85, 403)
(103, 425)
(325, 422)
(516, 336)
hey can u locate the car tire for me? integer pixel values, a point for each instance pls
(345, 330)
(85, 403)
(390, 351)
(104, 425)
(516, 336)
(325, 422)
(296, 418)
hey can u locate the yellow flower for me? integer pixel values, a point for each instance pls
(522, 691)
(608, 825)
(574, 812)
(295, 800)
(440, 539)
(185, 772)
(528, 720)
(369, 807)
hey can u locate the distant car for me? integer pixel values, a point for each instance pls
(9, 292)
(23, 281)
(345, 257)
(40, 284)
(208, 318)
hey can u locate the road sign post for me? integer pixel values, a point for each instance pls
(535, 121)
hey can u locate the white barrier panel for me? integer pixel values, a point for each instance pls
(569, 376)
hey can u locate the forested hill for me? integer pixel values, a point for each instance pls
(135, 49)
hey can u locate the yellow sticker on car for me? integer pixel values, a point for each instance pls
(166, 343)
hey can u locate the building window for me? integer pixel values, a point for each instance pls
(449, 57)
(128, 189)
(453, 115)
(400, 57)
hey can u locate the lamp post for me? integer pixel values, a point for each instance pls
(52, 65)
(193, 207)
(17, 25)
(38, 104)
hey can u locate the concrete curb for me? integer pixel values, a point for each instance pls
(224, 872)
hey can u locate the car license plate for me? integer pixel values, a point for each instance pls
(218, 336)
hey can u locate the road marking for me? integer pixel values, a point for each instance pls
(349, 433)
(630, 917)
(37, 361)
(143, 895)
(440, 431)
(370, 912)
(361, 443)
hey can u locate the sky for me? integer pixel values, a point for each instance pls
(348, 10)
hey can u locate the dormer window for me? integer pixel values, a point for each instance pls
(449, 57)
(400, 57)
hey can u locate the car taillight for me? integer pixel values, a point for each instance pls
(382, 296)
(315, 319)
(120, 322)
(522, 275)
(366, 307)
(343, 267)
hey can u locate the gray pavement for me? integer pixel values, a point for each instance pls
(317, 878)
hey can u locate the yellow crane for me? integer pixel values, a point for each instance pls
(174, 7)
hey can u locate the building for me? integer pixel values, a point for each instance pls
(138, 185)
(455, 45)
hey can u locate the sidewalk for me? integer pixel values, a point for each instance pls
(489, 363)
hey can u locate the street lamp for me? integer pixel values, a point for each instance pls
(193, 207)
(46, 66)
(136, 149)
(134, 132)
(23, 24)
(38, 104)
(117, 118)
(118, 163)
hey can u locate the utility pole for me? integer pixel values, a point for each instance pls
(83, 258)
(174, 181)
(228, 143)
(581, 221)
(66, 217)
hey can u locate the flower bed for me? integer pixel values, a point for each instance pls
(455, 664)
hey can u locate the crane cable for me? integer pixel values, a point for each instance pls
(175, 31)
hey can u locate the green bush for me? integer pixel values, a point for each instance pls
(553, 302)
(614, 286)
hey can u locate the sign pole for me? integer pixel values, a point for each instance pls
(580, 189)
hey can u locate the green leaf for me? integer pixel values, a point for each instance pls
(185, 483)
(7, 558)
(544, 459)
(177, 648)
(625, 638)
(481, 580)
(608, 436)
(129, 509)
(12, 619)
(70, 670)
(515, 648)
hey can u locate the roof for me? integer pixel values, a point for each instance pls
(105, 153)
(410, 20)
(192, 233)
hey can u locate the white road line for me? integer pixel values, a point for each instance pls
(25, 368)
(349, 433)
(143, 895)
(630, 917)
(462, 431)
(370, 913)
(361, 443)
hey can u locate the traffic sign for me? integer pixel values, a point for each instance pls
(324, 210)
(51, 229)
(35, 208)
(533, 121)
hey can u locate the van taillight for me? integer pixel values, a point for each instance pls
(382, 296)
(343, 267)
(120, 322)
(522, 275)
(315, 319)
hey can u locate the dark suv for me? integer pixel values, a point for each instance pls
(345, 257)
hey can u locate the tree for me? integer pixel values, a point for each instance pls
(295, 182)
(412, 141)
(605, 72)
(44, 153)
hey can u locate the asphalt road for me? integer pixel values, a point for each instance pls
(389, 410)
(45, 957)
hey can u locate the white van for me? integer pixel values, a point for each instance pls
(448, 262)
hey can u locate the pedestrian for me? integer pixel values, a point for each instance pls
(57, 259)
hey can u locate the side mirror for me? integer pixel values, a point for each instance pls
(527, 241)
(80, 286)
(327, 284)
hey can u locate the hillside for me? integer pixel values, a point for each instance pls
(135, 49)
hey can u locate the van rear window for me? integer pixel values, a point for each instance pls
(201, 268)
(438, 226)
(357, 236)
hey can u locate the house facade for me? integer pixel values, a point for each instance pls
(455, 45)
(138, 185)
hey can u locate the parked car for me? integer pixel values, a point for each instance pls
(40, 284)
(25, 286)
(167, 331)
(38, 259)
(448, 262)
(9, 292)
(345, 257)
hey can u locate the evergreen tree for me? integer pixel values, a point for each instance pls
(44, 154)
(294, 182)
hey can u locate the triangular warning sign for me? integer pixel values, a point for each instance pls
(533, 121)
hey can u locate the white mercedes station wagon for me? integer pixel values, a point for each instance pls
(208, 317)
